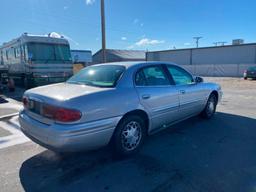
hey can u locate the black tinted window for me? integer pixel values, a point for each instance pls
(151, 76)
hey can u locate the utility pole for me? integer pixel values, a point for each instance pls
(222, 43)
(103, 31)
(215, 43)
(197, 40)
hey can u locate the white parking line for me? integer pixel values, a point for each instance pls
(17, 136)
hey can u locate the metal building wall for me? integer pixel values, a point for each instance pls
(243, 54)
(177, 56)
(211, 61)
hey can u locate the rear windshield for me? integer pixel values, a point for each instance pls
(98, 76)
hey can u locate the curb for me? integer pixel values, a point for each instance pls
(3, 117)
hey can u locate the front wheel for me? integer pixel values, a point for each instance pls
(129, 135)
(210, 107)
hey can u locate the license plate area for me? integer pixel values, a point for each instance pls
(35, 106)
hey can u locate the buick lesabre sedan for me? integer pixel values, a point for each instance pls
(117, 104)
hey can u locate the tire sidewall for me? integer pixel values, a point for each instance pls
(205, 112)
(117, 137)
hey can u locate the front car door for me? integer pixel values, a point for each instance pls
(191, 94)
(158, 95)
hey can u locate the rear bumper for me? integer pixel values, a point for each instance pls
(68, 138)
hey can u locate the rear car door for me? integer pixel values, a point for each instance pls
(157, 94)
(191, 94)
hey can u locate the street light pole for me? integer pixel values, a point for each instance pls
(103, 31)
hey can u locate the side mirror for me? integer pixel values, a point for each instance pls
(199, 79)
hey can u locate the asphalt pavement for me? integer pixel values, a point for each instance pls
(195, 155)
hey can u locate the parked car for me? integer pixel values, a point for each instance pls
(250, 73)
(116, 103)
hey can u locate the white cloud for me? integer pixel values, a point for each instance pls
(130, 47)
(124, 38)
(65, 7)
(89, 2)
(135, 21)
(187, 44)
(142, 24)
(146, 41)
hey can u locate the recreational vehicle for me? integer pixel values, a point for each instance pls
(35, 60)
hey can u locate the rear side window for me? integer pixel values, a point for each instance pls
(151, 76)
(180, 76)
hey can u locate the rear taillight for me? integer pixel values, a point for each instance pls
(61, 114)
(67, 115)
(25, 102)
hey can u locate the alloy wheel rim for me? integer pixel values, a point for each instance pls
(211, 107)
(131, 135)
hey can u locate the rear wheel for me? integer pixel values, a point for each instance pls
(245, 78)
(210, 107)
(129, 135)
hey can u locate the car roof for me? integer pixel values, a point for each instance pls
(136, 63)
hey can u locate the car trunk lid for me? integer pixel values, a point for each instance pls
(55, 95)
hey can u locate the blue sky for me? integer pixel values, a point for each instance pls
(132, 24)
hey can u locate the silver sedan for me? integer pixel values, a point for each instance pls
(115, 103)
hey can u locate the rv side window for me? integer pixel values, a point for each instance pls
(17, 52)
(14, 50)
(6, 53)
(24, 52)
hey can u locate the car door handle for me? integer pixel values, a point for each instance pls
(145, 96)
(182, 91)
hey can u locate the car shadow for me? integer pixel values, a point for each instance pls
(194, 155)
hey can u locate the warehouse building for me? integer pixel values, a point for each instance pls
(114, 55)
(229, 60)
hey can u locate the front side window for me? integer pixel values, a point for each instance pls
(99, 76)
(151, 76)
(180, 76)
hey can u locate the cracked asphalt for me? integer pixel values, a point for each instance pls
(195, 155)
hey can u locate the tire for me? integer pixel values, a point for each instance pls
(245, 78)
(210, 107)
(28, 83)
(11, 89)
(125, 145)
